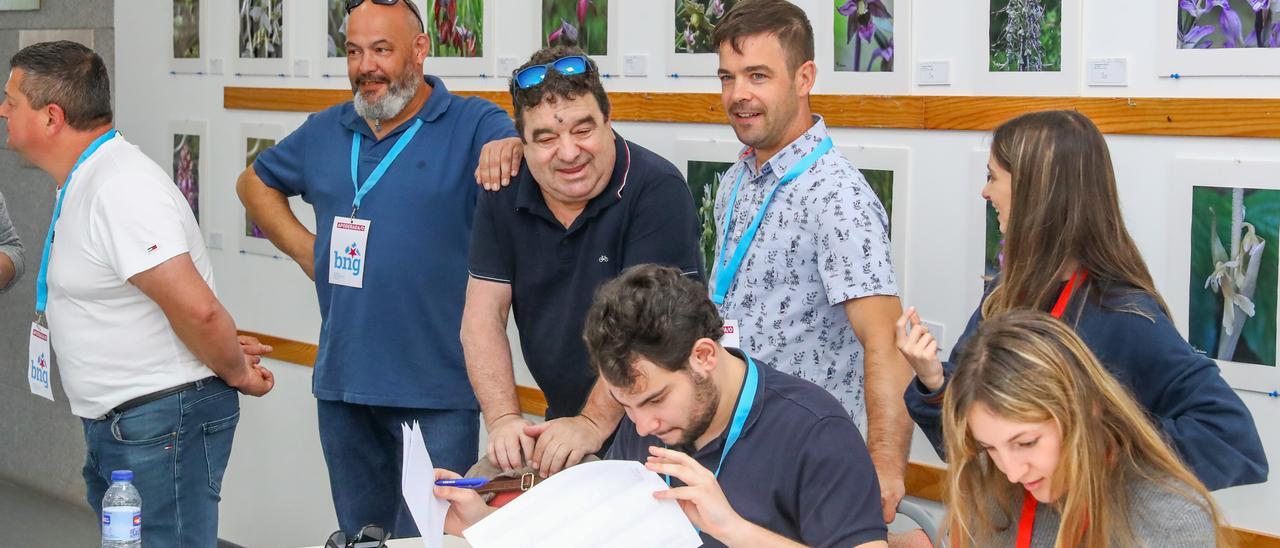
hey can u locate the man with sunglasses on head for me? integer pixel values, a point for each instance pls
(586, 205)
(390, 176)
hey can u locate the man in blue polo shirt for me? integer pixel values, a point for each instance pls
(756, 457)
(388, 259)
(587, 205)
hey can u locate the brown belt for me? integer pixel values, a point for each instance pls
(525, 482)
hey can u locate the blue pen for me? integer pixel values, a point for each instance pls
(465, 483)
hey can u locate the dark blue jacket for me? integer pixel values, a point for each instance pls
(1206, 421)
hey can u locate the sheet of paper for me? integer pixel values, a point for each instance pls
(604, 503)
(417, 480)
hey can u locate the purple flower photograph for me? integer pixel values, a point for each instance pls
(1228, 24)
(864, 35)
(186, 169)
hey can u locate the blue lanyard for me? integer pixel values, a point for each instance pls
(42, 277)
(743, 409)
(728, 266)
(379, 171)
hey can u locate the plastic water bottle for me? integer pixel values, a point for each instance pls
(122, 513)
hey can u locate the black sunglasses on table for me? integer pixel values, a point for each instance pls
(370, 536)
(353, 4)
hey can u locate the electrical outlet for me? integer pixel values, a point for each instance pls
(938, 330)
(933, 73)
(215, 66)
(301, 68)
(215, 240)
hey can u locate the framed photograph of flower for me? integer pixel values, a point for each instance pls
(185, 34)
(1218, 38)
(256, 139)
(19, 5)
(1030, 47)
(692, 24)
(459, 43)
(189, 164)
(589, 24)
(704, 162)
(1223, 236)
(869, 43)
(262, 38)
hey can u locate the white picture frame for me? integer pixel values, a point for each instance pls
(831, 80)
(468, 67)
(1188, 173)
(248, 132)
(723, 150)
(1171, 60)
(198, 65)
(898, 161)
(198, 128)
(608, 64)
(975, 213)
(1065, 82)
(683, 65)
(282, 66)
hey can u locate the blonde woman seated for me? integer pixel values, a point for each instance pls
(1047, 449)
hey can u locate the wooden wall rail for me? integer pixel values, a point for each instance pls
(1133, 116)
(923, 480)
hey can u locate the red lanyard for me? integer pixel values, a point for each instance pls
(1061, 306)
(1028, 519)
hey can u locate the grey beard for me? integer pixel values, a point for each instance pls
(397, 97)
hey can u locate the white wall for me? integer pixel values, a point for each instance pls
(276, 491)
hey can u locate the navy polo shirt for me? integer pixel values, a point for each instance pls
(645, 215)
(393, 342)
(799, 469)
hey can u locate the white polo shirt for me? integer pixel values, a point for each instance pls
(122, 215)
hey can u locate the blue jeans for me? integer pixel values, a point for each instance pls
(177, 447)
(363, 450)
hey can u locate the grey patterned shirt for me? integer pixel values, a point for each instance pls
(824, 240)
(10, 245)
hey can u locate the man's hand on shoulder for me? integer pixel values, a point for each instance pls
(499, 162)
(564, 442)
(509, 446)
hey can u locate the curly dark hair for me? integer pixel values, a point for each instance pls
(651, 312)
(556, 86)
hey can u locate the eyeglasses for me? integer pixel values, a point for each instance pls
(571, 65)
(353, 4)
(370, 536)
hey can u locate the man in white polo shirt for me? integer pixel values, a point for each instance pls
(148, 356)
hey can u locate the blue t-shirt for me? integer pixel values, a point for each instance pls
(799, 469)
(645, 215)
(393, 342)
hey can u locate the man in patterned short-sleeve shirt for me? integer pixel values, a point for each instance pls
(815, 292)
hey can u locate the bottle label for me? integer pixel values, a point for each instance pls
(121, 523)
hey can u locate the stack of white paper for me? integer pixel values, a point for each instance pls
(417, 481)
(604, 503)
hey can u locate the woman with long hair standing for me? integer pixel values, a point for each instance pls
(1067, 252)
(1048, 449)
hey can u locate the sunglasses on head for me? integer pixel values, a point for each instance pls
(571, 65)
(370, 536)
(353, 4)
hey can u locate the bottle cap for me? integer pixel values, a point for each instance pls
(122, 475)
